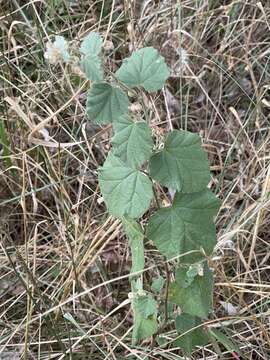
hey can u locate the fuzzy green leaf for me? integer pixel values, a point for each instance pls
(194, 297)
(145, 305)
(105, 103)
(145, 317)
(126, 191)
(196, 337)
(146, 68)
(91, 44)
(91, 66)
(132, 141)
(185, 226)
(182, 164)
(165, 228)
(91, 63)
(135, 236)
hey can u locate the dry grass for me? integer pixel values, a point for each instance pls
(64, 262)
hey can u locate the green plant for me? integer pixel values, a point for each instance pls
(185, 229)
(183, 232)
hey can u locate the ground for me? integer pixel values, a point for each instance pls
(64, 262)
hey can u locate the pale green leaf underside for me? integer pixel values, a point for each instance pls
(146, 68)
(126, 191)
(91, 44)
(105, 103)
(194, 298)
(145, 317)
(135, 236)
(91, 66)
(185, 226)
(182, 164)
(132, 141)
(145, 305)
(196, 336)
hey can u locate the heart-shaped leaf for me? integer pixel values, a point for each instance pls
(105, 103)
(126, 191)
(195, 335)
(185, 226)
(91, 44)
(91, 63)
(145, 317)
(194, 297)
(91, 66)
(182, 164)
(146, 68)
(132, 141)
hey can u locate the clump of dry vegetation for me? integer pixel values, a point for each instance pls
(64, 275)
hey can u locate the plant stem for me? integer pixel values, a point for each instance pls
(166, 293)
(156, 197)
